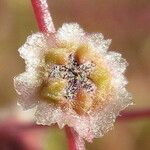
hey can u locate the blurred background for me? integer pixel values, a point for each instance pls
(126, 22)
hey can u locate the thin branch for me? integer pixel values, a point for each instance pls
(75, 142)
(43, 16)
(125, 116)
(46, 25)
(134, 114)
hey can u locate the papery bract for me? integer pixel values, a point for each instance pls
(73, 80)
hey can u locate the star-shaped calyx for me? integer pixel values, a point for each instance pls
(76, 74)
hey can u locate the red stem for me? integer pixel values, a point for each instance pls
(70, 138)
(46, 25)
(125, 116)
(75, 142)
(43, 16)
(136, 114)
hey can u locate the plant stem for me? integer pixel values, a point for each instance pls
(43, 16)
(125, 116)
(75, 142)
(136, 114)
(46, 26)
